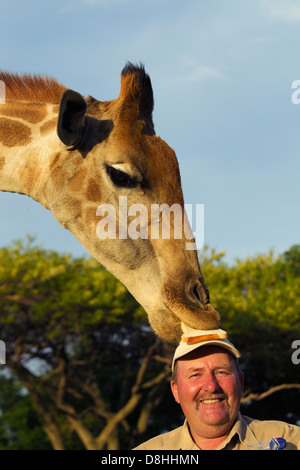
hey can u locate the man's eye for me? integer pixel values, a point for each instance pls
(120, 178)
(223, 372)
(195, 375)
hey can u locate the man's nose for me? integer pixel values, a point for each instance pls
(211, 384)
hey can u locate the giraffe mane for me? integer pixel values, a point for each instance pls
(36, 88)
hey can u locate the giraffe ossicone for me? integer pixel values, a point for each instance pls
(72, 154)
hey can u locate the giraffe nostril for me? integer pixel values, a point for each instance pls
(198, 292)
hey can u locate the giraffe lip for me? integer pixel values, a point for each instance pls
(206, 318)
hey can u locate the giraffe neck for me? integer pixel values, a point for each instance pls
(28, 145)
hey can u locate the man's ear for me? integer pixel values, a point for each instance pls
(71, 119)
(174, 389)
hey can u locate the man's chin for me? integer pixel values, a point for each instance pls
(214, 413)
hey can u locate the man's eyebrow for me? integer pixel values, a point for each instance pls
(193, 369)
(224, 366)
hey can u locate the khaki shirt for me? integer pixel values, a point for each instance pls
(246, 434)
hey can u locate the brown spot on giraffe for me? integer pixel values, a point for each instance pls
(32, 114)
(73, 206)
(2, 162)
(77, 181)
(29, 177)
(93, 192)
(90, 219)
(54, 159)
(14, 133)
(59, 177)
(48, 126)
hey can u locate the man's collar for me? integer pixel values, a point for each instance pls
(238, 430)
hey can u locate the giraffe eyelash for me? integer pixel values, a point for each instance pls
(121, 179)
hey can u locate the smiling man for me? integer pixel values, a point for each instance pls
(208, 385)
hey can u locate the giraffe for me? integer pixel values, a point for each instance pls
(71, 153)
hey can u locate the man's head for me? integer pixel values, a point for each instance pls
(207, 382)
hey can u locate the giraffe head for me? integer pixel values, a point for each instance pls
(109, 173)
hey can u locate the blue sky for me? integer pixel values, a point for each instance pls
(222, 73)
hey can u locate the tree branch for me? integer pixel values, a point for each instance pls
(45, 413)
(136, 395)
(261, 396)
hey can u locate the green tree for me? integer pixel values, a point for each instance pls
(79, 343)
(19, 425)
(292, 259)
(95, 374)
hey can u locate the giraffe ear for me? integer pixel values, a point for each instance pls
(71, 124)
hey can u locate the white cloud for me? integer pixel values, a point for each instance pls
(287, 11)
(196, 72)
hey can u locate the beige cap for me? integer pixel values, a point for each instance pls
(192, 339)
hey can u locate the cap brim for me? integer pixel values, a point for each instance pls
(185, 348)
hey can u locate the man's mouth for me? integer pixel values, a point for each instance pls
(208, 402)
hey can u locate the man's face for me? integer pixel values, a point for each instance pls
(209, 390)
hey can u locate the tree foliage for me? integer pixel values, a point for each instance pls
(84, 370)
(77, 341)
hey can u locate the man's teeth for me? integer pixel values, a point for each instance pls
(211, 401)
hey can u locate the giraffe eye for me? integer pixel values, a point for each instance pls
(120, 178)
